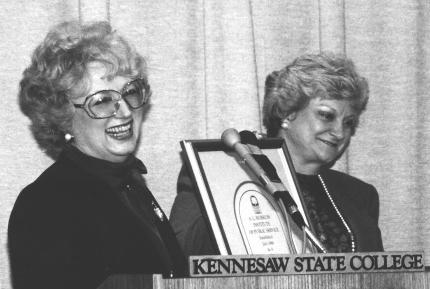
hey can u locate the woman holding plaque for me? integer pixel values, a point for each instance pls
(315, 104)
(90, 214)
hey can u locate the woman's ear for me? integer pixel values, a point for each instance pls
(286, 121)
(292, 116)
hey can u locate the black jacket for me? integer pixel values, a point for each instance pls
(359, 204)
(78, 223)
(357, 201)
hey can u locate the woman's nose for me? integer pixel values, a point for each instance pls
(122, 109)
(338, 130)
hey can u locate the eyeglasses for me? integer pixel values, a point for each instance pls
(105, 103)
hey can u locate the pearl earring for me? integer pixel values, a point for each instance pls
(284, 124)
(68, 137)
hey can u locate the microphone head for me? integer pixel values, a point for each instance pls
(230, 137)
(248, 137)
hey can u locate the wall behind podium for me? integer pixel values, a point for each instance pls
(208, 61)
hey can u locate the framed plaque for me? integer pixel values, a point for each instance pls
(242, 216)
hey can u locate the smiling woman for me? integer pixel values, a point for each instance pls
(314, 103)
(90, 214)
(319, 133)
(108, 127)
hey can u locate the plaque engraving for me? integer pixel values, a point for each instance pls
(260, 221)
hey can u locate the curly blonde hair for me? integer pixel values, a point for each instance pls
(324, 75)
(58, 73)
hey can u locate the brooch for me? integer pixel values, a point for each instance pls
(158, 211)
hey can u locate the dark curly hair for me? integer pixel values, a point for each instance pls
(58, 73)
(324, 75)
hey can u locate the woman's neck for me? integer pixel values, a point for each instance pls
(305, 168)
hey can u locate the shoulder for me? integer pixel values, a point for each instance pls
(56, 182)
(350, 186)
(57, 192)
(186, 208)
(184, 183)
(347, 180)
(187, 218)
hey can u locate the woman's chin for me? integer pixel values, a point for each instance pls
(121, 146)
(327, 159)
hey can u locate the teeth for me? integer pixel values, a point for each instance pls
(119, 128)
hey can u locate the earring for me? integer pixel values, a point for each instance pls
(68, 137)
(284, 124)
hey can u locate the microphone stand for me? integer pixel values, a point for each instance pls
(289, 207)
(233, 140)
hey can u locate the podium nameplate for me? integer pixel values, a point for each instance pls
(213, 266)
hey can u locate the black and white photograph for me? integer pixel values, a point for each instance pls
(104, 103)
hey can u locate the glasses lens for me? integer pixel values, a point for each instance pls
(102, 104)
(134, 94)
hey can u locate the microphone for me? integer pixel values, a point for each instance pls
(282, 193)
(231, 139)
(250, 139)
(273, 185)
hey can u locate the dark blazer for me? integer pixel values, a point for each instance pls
(69, 229)
(357, 201)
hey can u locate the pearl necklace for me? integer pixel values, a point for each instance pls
(353, 244)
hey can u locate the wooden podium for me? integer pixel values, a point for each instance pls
(404, 280)
(385, 270)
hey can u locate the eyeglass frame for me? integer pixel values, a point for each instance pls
(146, 97)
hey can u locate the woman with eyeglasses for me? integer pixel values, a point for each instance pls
(90, 214)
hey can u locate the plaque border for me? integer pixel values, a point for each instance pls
(191, 158)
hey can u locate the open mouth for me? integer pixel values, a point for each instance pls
(120, 132)
(331, 144)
